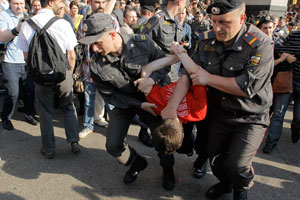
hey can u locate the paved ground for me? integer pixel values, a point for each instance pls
(95, 175)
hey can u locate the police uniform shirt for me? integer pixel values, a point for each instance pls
(114, 76)
(249, 60)
(163, 30)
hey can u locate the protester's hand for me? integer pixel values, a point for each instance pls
(178, 49)
(169, 112)
(291, 58)
(149, 108)
(172, 47)
(144, 85)
(200, 77)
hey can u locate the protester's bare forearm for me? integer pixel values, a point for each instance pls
(160, 63)
(189, 65)
(182, 87)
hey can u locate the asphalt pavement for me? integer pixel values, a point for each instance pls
(94, 175)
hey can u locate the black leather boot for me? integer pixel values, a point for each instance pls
(239, 194)
(139, 163)
(168, 179)
(218, 190)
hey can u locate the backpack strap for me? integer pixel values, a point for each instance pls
(54, 19)
(33, 25)
(37, 28)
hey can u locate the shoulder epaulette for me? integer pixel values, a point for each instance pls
(139, 37)
(251, 39)
(207, 35)
(152, 22)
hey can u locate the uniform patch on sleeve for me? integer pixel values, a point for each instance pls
(255, 60)
(149, 25)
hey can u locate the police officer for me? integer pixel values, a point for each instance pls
(165, 29)
(116, 64)
(236, 62)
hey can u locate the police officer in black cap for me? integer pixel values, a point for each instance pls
(236, 62)
(115, 66)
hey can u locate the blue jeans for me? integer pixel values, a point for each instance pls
(89, 107)
(280, 103)
(12, 73)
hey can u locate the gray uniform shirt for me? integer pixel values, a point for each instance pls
(249, 60)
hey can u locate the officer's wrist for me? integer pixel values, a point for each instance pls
(14, 31)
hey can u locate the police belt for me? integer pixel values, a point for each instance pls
(239, 114)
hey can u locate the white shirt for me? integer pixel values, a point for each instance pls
(61, 31)
(4, 5)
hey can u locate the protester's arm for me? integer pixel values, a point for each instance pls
(71, 58)
(110, 6)
(158, 64)
(182, 87)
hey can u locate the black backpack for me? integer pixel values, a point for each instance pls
(46, 61)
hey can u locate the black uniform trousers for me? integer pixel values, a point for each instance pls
(119, 122)
(232, 145)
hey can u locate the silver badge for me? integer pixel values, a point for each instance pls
(268, 17)
(215, 10)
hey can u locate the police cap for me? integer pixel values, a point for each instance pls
(263, 19)
(95, 26)
(220, 7)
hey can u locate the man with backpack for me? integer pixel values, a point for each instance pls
(51, 70)
(13, 66)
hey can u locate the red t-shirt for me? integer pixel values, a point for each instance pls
(192, 108)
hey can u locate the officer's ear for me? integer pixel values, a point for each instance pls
(243, 18)
(113, 35)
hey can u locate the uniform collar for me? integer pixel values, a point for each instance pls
(237, 46)
(127, 45)
(167, 15)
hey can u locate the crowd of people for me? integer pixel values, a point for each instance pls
(196, 76)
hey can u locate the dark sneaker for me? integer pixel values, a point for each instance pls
(200, 172)
(168, 179)
(239, 194)
(145, 138)
(75, 147)
(31, 120)
(268, 148)
(136, 167)
(218, 190)
(8, 125)
(49, 155)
